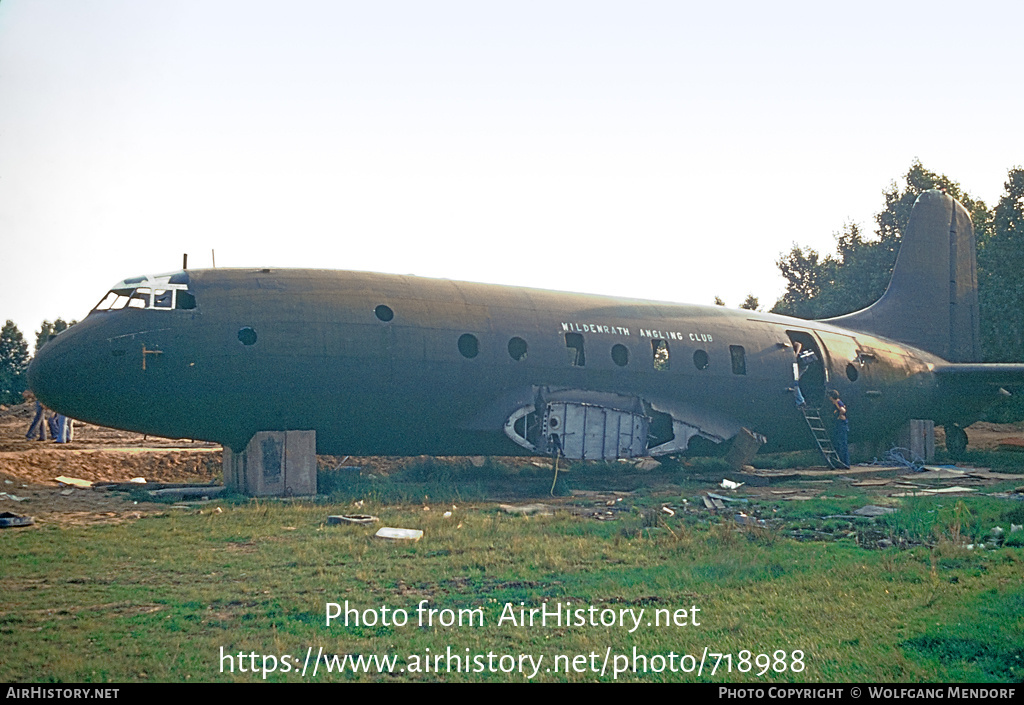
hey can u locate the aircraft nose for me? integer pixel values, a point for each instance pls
(55, 375)
(44, 373)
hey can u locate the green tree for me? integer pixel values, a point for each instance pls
(13, 364)
(1000, 286)
(48, 329)
(806, 274)
(750, 303)
(856, 276)
(718, 301)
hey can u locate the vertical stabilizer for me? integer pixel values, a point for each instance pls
(932, 299)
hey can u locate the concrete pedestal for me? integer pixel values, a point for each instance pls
(273, 464)
(744, 447)
(919, 436)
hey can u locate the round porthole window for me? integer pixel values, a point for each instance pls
(468, 345)
(384, 313)
(700, 360)
(517, 349)
(851, 372)
(620, 355)
(247, 336)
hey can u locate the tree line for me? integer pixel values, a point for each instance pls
(856, 275)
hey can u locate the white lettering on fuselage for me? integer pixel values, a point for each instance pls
(653, 333)
(594, 328)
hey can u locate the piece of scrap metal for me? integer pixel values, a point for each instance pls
(10, 520)
(527, 509)
(388, 532)
(77, 482)
(361, 519)
(873, 510)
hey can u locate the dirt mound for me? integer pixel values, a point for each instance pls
(28, 470)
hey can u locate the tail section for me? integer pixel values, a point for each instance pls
(932, 299)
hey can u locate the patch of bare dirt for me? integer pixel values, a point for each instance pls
(28, 470)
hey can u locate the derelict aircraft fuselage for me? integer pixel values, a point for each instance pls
(399, 365)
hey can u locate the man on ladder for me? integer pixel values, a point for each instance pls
(841, 432)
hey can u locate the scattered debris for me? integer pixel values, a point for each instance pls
(989, 475)
(362, 519)
(10, 520)
(138, 480)
(727, 499)
(182, 492)
(713, 503)
(527, 509)
(600, 494)
(873, 510)
(901, 457)
(8, 495)
(68, 492)
(937, 490)
(730, 485)
(668, 510)
(447, 514)
(387, 532)
(647, 464)
(747, 520)
(73, 481)
(871, 483)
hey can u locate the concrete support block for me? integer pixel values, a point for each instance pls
(744, 447)
(273, 464)
(919, 436)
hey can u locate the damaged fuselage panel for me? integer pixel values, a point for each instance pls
(587, 425)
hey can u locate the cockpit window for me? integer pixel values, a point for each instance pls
(163, 298)
(165, 292)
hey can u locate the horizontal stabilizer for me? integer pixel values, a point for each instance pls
(976, 375)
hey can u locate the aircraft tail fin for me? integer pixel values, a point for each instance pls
(932, 299)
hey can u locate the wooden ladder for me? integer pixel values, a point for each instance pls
(813, 417)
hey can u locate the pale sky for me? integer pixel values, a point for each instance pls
(661, 150)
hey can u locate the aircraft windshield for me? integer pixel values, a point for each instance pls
(164, 292)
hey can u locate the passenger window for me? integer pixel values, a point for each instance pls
(660, 350)
(468, 345)
(620, 355)
(574, 344)
(739, 360)
(184, 300)
(700, 359)
(517, 349)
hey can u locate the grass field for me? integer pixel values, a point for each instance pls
(179, 597)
